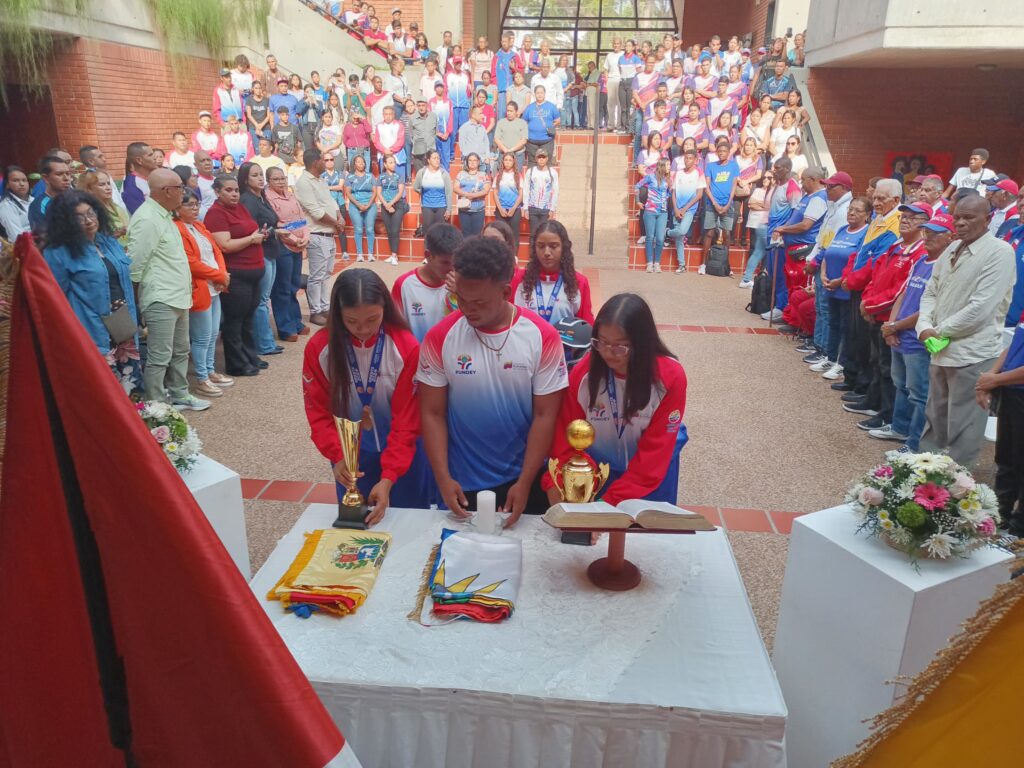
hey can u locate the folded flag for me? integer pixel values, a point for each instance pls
(334, 571)
(476, 576)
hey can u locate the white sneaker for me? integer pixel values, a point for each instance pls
(393, 261)
(371, 258)
(681, 269)
(886, 433)
(344, 256)
(657, 268)
(774, 315)
(746, 284)
(821, 365)
(641, 240)
(190, 403)
(650, 268)
(701, 270)
(833, 373)
(359, 258)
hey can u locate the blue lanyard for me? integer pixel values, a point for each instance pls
(366, 393)
(548, 310)
(613, 402)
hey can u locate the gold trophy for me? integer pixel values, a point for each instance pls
(581, 480)
(352, 508)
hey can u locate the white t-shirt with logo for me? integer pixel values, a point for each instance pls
(490, 394)
(964, 178)
(424, 305)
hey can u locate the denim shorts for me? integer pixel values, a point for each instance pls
(715, 220)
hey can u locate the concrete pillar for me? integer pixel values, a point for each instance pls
(442, 15)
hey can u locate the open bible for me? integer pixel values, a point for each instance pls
(632, 513)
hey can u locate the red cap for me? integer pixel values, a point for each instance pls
(839, 178)
(1007, 185)
(940, 222)
(918, 208)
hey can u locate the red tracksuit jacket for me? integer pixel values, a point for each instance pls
(889, 276)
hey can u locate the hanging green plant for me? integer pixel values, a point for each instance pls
(214, 24)
(24, 50)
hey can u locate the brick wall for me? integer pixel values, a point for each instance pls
(867, 112)
(724, 18)
(412, 10)
(111, 95)
(468, 22)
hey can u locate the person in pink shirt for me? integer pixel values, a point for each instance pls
(487, 117)
(356, 137)
(389, 139)
(206, 138)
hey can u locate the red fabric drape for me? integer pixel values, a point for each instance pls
(209, 681)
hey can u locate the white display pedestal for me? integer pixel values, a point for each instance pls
(855, 614)
(218, 491)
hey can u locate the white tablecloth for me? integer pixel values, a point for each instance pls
(673, 673)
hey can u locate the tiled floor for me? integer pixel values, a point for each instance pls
(300, 492)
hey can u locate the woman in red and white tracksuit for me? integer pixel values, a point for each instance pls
(633, 391)
(550, 284)
(361, 367)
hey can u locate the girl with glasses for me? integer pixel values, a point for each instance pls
(632, 389)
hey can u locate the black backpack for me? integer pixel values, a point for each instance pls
(718, 258)
(760, 294)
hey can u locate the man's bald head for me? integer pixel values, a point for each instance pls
(165, 187)
(971, 218)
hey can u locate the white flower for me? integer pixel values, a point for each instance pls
(171, 447)
(971, 510)
(883, 515)
(940, 545)
(986, 497)
(886, 523)
(900, 536)
(870, 496)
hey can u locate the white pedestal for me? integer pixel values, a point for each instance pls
(855, 614)
(218, 491)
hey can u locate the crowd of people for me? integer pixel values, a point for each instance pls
(898, 296)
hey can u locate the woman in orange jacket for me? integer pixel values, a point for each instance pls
(209, 278)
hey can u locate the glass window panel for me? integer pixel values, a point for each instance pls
(660, 24)
(586, 39)
(590, 8)
(561, 8)
(618, 8)
(653, 9)
(557, 39)
(525, 7)
(588, 24)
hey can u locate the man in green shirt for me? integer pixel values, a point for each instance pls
(163, 284)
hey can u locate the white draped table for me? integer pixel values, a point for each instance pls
(672, 673)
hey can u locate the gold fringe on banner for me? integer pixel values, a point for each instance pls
(424, 590)
(945, 663)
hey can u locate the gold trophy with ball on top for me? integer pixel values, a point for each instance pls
(352, 508)
(580, 479)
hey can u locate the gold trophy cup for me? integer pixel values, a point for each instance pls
(352, 508)
(578, 480)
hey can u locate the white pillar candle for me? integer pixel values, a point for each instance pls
(486, 512)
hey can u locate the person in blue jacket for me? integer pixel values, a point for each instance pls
(93, 271)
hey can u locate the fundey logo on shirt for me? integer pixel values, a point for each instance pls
(465, 363)
(675, 417)
(599, 413)
(417, 308)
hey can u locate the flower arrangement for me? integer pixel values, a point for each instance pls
(925, 504)
(179, 441)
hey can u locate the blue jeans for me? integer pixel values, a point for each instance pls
(203, 329)
(820, 314)
(265, 343)
(679, 232)
(636, 127)
(654, 226)
(287, 312)
(777, 275)
(910, 375)
(363, 221)
(572, 108)
(838, 317)
(759, 244)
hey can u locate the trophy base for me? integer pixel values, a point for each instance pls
(615, 572)
(353, 517)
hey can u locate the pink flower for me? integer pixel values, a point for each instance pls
(870, 496)
(962, 485)
(987, 526)
(140, 407)
(883, 471)
(162, 434)
(931, 496)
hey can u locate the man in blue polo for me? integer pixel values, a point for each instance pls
(540, 116)
(720, 176)
(800, 231)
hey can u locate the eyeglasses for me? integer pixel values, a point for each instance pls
(612, 349)
(87, 216)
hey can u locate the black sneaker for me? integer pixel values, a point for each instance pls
(860, 407)
(812, 356)
(418, 232)
(841, 386)
(807, 349)
(875, 422)
(852, 397)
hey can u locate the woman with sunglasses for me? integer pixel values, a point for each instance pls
(632, 389)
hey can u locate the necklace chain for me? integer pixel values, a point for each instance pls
(508, 332)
